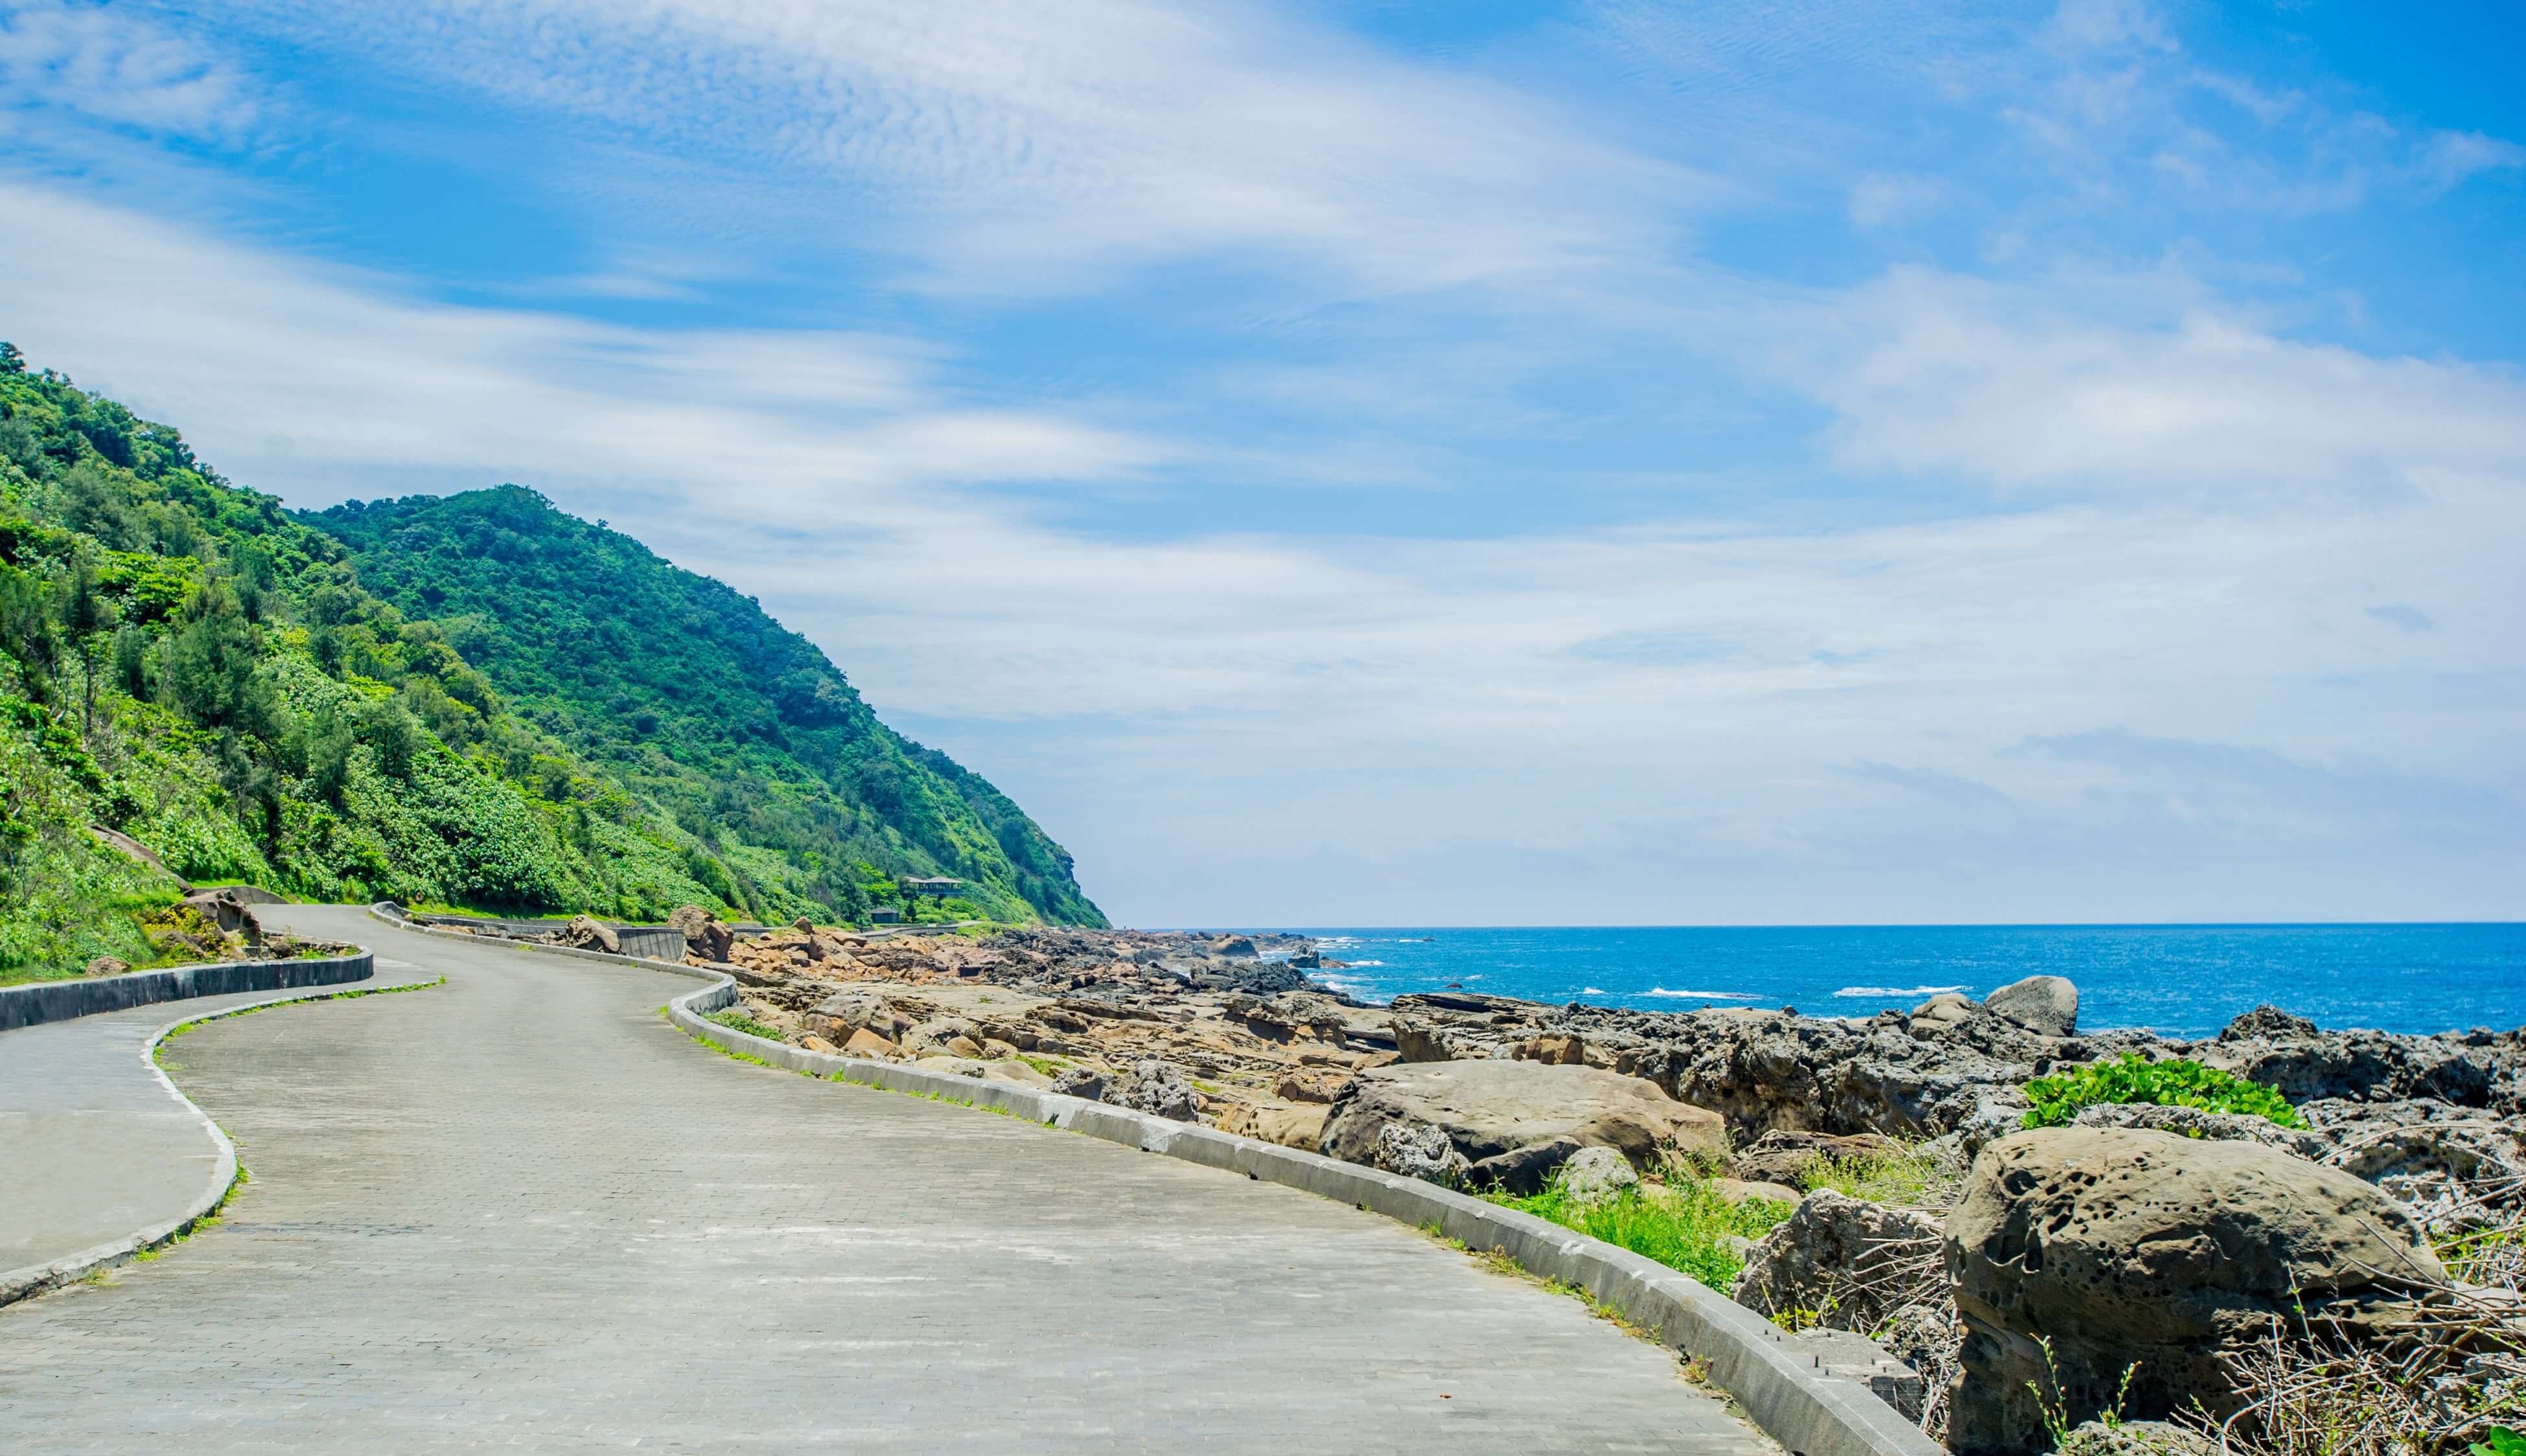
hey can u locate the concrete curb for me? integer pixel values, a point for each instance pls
(48, 1001)
(1772, 1375)
(25, 1284)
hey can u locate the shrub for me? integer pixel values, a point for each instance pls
(2177, 1084)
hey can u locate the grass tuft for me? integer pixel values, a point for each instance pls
(1686, 1227)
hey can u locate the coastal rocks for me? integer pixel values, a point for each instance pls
(1523, 1172)
(1154, 1086)
(1491, 1107)
(1290, 1125)
(2455, 1168)
(704, 935)
(2193, 1122)
(2159, 1255)
(1900, 1076)
(1843, 1261)
(1290, 1015)
(1416, 1151)
(1081, 1082)
(857, 1009)
(2269, 1023)
(2464, 1071)
(950, 1035)
(1597, 1174)
(2047, 1005)
(586, 932)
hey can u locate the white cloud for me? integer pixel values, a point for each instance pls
(1937, 375)
(1017, 145)
(107, 65)
(1672, 708)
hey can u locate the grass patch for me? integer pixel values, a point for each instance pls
(1686, 1227)
(738, 1021)
(1904, 1177)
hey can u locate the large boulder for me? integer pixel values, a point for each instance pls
(1494, 1106)
(586, 933)
(1597, 1175)
(2157, 1255)
(704, 934)
(1154, 1086)
(2047, 1005)
(1297, 1124)
(1840, 1260)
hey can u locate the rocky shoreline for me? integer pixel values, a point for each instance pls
(2146, 1261)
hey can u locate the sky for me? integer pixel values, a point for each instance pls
(1426, 464)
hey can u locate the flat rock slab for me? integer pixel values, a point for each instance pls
(521, 1209)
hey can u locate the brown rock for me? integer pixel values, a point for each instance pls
(866, 1043)
(1298, 1126)
(1491, 1105)
(2158, 1254)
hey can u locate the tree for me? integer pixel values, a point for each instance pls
(11, 361)
(393, 734)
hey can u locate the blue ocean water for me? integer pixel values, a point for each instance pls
(2185, 980)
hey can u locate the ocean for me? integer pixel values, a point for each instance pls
(2182, 980)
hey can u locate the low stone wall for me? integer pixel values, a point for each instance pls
(1777, 1378)
(60, 1000)
(640, 942)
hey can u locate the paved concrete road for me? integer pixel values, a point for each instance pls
(519, 1210)
(93, 1150)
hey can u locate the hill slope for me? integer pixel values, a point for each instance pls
(183, 661)
(685, 692)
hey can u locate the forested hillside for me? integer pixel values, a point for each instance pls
(688, 694)
(185, 662)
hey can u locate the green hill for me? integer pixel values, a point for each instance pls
(183, 661)
(687, 693)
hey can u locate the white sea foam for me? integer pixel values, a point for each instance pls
(1702, 996)
(1884, 991)
(1368, 962)
(1592, 990)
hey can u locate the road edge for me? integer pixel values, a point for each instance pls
(41, 1278)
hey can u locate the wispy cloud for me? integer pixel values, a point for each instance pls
(107, 65)
(1015, 146)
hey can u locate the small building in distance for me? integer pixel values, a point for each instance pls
(885, 915)
(932, 884)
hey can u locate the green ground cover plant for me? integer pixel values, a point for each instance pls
(738, 1021)
(2173, 1083)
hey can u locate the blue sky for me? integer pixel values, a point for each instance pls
(1467, 462)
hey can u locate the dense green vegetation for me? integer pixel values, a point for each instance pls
(683, 692)
(2176, 1083)
(183, 661)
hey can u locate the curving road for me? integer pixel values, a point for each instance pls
(519, 1210)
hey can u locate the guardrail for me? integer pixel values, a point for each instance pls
(60, 1000)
